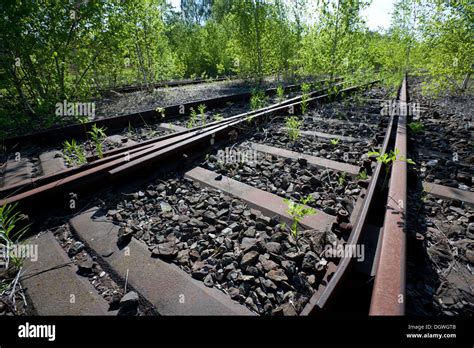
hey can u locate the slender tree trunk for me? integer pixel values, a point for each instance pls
(465, 83)
(334, 44)
(140, 59)
(151, 76)
(258, 43)
(35, 80)
(23, 98)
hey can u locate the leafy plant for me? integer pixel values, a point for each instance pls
(73, 153)
(218, 117)
(304, 97)
(202, 109)
(280, 93)
(305, 88)
(10, 233)
(342, 179)
(97, 136)
(258, 99)
(298, 211)
(362, 175)
(335, 141)
(161, 111)
(415, 126)
(192, 118)
(389, 158)
(293, 125)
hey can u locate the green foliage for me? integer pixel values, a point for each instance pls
(415, 126)
(218, 117)
(97, 136)
(70, 50)
(293, 125)
(342, 179)
(335, 141)
(258, 99)
(202, 109)
(305, 88)
(298, 211)
(73, 153)
(192, 118)
(389, 158)
(56, 50)
(280, 93)
(10, 232)
(362, 175)
(161, 111)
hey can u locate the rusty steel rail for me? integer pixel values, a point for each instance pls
(320, 301)
(388, 296)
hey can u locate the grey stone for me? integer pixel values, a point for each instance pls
(248, 259)
(309, 261)
(274, 247)
(277, 275)
(165, 251)
(75, 248)
(129, 302)
(268, 265)
(248, 243)
(208, 281)
(234, 293)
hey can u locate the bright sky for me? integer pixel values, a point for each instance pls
(378, 14)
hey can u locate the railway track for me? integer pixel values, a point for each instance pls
(195, 222)
(165, 84)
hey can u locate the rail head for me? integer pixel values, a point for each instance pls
(389, 295)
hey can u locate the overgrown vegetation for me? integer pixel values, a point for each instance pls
(362, 175)
(258, 99)
(293, 125)
(98, 136)
(304, 97)
(70, 50)
(202, 110)
(12, 256)
(297, 211)
(73, 153)
(192, 118)
(218, 117)
(415, 127)
(389, 158)
(342, 179)
(280, 93)
(161, 111)
(10, 234)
